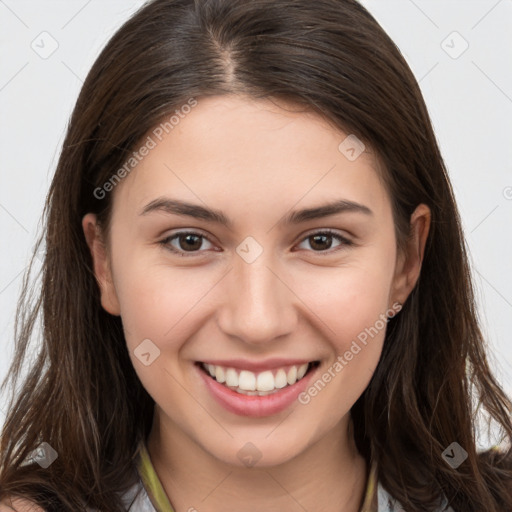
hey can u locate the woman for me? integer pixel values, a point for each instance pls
(255, 291)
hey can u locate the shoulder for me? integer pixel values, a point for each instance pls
(19, 505)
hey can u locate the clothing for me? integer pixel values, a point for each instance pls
(148, 495)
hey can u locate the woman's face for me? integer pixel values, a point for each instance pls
(260, 290)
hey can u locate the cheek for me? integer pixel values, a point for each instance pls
(160, 308)
(349, 299)
(160, 303)
(351, 303)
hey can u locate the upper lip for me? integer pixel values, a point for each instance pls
(257, 366)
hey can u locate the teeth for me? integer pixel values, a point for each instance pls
(231, 378)
(302, 371)
(245, 392)
(248, 383)
(292, 375)
(280, 379)
(265, 381)
(220, 376)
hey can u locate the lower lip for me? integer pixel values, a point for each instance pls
(255, 406)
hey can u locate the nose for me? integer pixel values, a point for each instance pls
(259, 305)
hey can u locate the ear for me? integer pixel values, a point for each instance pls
(409, 260)
(101, 263)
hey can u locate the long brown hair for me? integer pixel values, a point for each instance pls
(81, 394)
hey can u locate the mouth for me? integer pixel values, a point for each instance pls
(264, 383)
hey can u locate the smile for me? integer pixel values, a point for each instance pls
(264, 383)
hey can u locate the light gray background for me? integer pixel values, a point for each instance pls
(469, 97)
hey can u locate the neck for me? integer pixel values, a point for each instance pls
(330, 475)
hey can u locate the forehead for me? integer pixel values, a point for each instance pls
(256, 153)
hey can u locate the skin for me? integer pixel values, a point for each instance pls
(256, 162)
(19, 505)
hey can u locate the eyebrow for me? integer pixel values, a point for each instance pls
(177, 207)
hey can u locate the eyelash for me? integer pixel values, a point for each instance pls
(329, 232)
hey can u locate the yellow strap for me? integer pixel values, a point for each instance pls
(151, 482)
(371, 489)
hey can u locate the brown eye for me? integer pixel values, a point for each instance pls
(184, 241)
(189, 242)
(322, 241)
